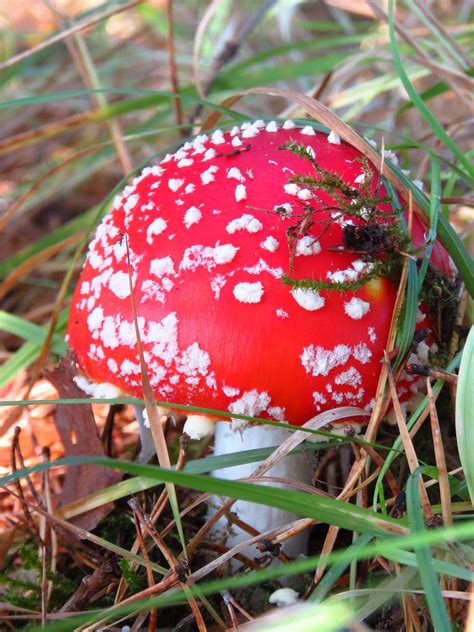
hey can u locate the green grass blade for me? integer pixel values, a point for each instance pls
(336, 570)
(465, 412)
(20, 360)
(418, 101)
(446, 44)
(424, 557)
(29, 331)
(77, 224)
(430, 93)
(199, 466)
(269, 54)
(30, 351)
(320, 508)
(151, 97)
(408, 325)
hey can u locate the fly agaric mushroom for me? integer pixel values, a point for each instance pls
(255, 258)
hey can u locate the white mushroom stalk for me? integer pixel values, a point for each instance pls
(296, 467)
(238, 436)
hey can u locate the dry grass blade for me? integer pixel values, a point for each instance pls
(412, 620)
(48, 501)
(153, 413)
(223, 559)
(297, 437)
(47, 130)
(315, 423)
(459, 82)
(328, 547)
(440, 457)
(425, 9)
(79, 52)
(19, 202)
(155, 514)
(359, 7)
(408, 447)
(229, 49)
(381, 403)
(78, 533)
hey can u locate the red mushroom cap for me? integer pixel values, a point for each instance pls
(207, 231)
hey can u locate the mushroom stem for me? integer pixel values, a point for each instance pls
(260, 517)
(147, 446)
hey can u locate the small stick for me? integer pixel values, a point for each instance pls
(46, 585)
(19, 453)
(221, 548)
(426, 371)
(239, 607)
(155, 513)
(15, 450)
(225, 598)
(145, 522)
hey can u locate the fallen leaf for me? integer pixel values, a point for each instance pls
(78, 432)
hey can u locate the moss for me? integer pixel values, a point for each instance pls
(117, 527)
(134, 581)
(441, 296)
(24, 593)
(379, 237)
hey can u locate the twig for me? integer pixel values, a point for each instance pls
(15, 450)
(155, 514)
(426, 371)
(146, 523)
(227, 596)
(230, 610)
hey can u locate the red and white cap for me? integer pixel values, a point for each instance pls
(207, 231)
